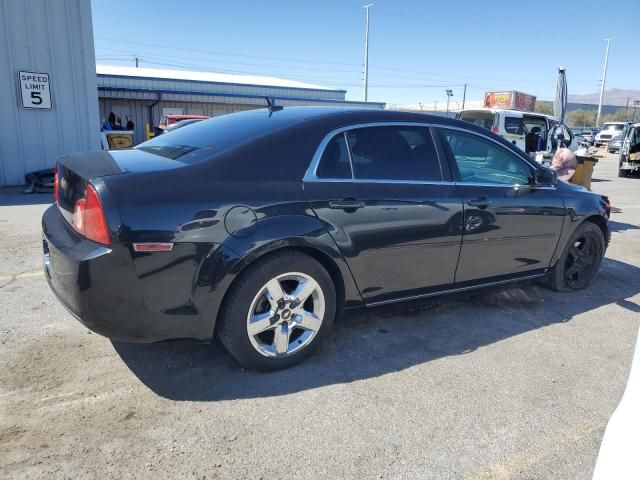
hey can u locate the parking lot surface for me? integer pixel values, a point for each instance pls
(515, 384)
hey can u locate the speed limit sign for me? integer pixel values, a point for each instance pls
(35, 91)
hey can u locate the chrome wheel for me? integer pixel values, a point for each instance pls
(285, 315)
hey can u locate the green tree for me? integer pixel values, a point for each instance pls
(581, 118)
(543, 107)
(620, 115)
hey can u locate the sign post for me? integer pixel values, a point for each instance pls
(35, 90)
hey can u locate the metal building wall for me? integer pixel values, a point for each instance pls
(134, 105)
(143, 83)
(138, 111)
(54, 37)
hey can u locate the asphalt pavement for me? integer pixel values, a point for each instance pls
(517, 384)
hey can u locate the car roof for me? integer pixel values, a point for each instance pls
(350, 114)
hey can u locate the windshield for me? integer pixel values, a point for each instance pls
(613, 126)
(204, 139)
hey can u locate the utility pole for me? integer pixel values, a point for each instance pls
(136, 62)
(464, 95)
(366, 52)
(604, 79)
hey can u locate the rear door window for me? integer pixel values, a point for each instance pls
(482, 119)
(514, 125)
(394, 153)
(335, 160)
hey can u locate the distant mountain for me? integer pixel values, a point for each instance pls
(615, 96)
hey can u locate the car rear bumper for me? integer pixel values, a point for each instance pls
(99, 286)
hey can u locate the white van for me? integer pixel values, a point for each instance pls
(527, 130)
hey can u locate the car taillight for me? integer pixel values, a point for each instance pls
(495, 129)
(88, 217)
(55, 183)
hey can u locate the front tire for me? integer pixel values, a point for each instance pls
(278, 311)
(580, 260)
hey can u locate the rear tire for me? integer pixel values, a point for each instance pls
(278, 312)
(580, 260)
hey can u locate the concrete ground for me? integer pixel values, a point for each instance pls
(518, 384)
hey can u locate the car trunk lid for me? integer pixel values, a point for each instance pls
(76, 170)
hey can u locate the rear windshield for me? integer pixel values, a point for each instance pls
(204, 139)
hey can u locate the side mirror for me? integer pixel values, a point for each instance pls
(546, 176)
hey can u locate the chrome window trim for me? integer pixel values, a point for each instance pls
(346, 142)
(311, 173)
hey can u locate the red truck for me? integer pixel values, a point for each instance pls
(167, 120)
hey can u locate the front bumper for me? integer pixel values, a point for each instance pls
(99, 286)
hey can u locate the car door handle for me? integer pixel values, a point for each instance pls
(480, 202)
(346, 204)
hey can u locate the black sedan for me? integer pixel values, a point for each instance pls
(261, 227)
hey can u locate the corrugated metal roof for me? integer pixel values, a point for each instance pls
(118, 70)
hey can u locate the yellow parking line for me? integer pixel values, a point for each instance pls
(526, 459)
(15, 276)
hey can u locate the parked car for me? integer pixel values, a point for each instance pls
(609, 130)
(180, 124)
(261, 227)
(167, 120)
(529, 131)
(588, 136)
(615, 143)
(629, 159)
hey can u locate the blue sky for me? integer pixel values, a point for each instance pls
(417, 49)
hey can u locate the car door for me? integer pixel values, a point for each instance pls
(391, 209)
(513, 128)
(511, 225)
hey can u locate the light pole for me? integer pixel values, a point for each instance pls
(449, 95)
(604, 79)
(366, 52)
(464, 95)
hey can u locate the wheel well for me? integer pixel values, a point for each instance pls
(602, 224)
(325, 260)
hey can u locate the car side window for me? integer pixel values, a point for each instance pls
(394, 153)
(480, 160)
(335, 160)
(514, 125)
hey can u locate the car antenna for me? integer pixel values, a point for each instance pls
(271, 105)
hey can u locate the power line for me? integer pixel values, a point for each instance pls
(373, 68)
(211, 52)
(183, 65)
